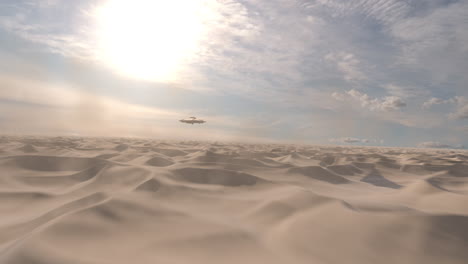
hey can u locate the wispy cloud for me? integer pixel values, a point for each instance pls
(459, 103)
(436, 144)
(434, 101)
(461, 111)
(388, 62)
(387, 103)
(355, 140)
(348, 64)
(405, 91)
(386, 12)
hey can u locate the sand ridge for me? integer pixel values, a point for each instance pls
(116, 200)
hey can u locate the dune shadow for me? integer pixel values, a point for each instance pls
(53, 163)
(319, 173)
(159, 162)
(151, 185)
(215, 176)
(375, 178)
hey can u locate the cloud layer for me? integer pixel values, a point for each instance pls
(356, 140)
(387, 103)
(364, 65)
(436, 144)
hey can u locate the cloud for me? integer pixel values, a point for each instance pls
(433, 101)
(348, 64)
(436, 144)
(339, 96)
(387, 103)
(354, 140)
(386, 57)
(388, 109)
(404, 91)
(434, 40)
(463, 129)
(54, 39)
(77, 35)
(385, 12)
(461, 111)
(459, 102)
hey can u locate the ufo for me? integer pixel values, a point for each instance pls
(192, 120)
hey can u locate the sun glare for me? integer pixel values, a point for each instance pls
(148, 39)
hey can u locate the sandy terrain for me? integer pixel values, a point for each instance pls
(112, 201)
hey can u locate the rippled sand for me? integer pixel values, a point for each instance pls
(103, 201)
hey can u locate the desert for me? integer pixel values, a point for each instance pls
(130, 200)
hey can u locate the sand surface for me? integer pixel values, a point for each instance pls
(112, 201)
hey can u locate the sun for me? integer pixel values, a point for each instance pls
(148, 39)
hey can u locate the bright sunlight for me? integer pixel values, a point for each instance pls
(148, 39)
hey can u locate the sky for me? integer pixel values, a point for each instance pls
(363, 72)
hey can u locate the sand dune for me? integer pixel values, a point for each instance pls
(108, 200)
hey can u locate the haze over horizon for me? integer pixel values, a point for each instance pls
(385, 73)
